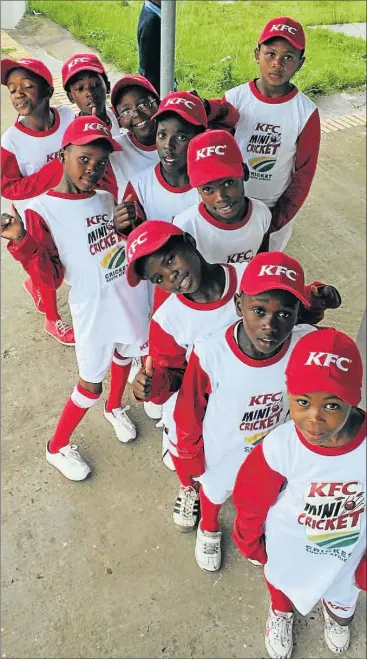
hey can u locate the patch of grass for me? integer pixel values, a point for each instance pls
(7, 51)
(215, 42)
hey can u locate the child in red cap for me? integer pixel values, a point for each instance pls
(300, 495)
(76, 240)
(278, 131)
(85, 81)
(29, 159)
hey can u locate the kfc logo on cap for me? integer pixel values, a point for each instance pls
(219, 150)
(180, 101)
(283, 27)
(97, 126)
(75, 61)
(277, 270)
(326, 359)
(140, 240)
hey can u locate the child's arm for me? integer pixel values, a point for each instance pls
(321, 297)
(36, 251)
(308, 145)
(256, 488)
(189, 415)
(16, 186)
(130, 212)
(221, 113)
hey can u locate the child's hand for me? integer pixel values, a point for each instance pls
(125, 216)
(12, 227)
(328, 295)
(142, 384)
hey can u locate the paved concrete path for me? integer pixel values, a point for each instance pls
(96, 569)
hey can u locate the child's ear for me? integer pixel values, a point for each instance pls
(49, 91)
(62, 155)
(237, 304)
(70, 96)
(257, 53)
(246, 172)
(301, 63)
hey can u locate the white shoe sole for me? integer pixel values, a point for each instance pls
(123, 441)
(206, 568)
(67, 345)
(35, 306)
(275, 655)
(75, 480)
(332, 647)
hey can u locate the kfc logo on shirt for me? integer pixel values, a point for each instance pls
(96, 126)
(180, 101)
(138, 241)
(277, 270)
(218, 150)
(75, 61)
(326, 359)
(283, 27)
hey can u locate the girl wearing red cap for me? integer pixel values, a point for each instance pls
(307, 526)
(76, 240)
(29, 160)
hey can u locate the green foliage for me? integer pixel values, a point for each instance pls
(215, 42)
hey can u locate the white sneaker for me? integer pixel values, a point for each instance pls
(186, 509)
(152, 410)
(337, 636)
(134, 370)
(69, 462)
(208, 551)
(253, 561)
(123, 426)
(278, 634)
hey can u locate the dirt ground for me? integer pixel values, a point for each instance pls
(96, 569)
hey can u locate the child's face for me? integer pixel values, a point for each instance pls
(173, 137)
(278, 61)
(27, 92)
(318, 415)
(175, 270)
(88, 90)
(134, 109)
(268, 318)
(224, 198)
(85, 165)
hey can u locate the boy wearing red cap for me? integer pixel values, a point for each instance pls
(29, 159)
(228, 227)
(77, 241)
(308, 525)
(278, 131)
(85, 81)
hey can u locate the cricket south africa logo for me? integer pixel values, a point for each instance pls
(263, 149)
(332, 513)
(114, 258)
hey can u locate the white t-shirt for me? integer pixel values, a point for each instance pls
(132, 160)
(267, 133)
(317, 525)
(226, 243)
(114, 126)
(104, 308)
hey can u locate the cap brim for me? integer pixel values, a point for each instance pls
(216, 171)
(132, 277)
(286, 37)
(8, 64)
(91, 67)
(182, 114)
(275, 287)
(87, 139)
(305, 385)
(131, 82)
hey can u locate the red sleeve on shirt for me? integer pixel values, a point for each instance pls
(361, 574)
(108, 182)
(130, 194)
(38, 254)
(169, 362)
(256, 489)
(15, 186)
(221, 114)
(308, 145)
(189, 415)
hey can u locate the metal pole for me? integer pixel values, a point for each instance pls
(168, 34)
(361, 342)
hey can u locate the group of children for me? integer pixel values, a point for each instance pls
(168, 219)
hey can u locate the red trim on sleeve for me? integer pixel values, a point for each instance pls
(267, 99)
(256, 363)
(335, 450)
(222, 225)
(256, 489)
(40, 133)
(141, 147)
(16, 186)
(210, 306)
(167, 186)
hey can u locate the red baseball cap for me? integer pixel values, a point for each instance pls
(130, 81)
(188, 106)
(272, 271)
(81, 62)
(284, 28)
(84, 130)
(146, 239)
(328, 361)
(34, 65)
(213, 155)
